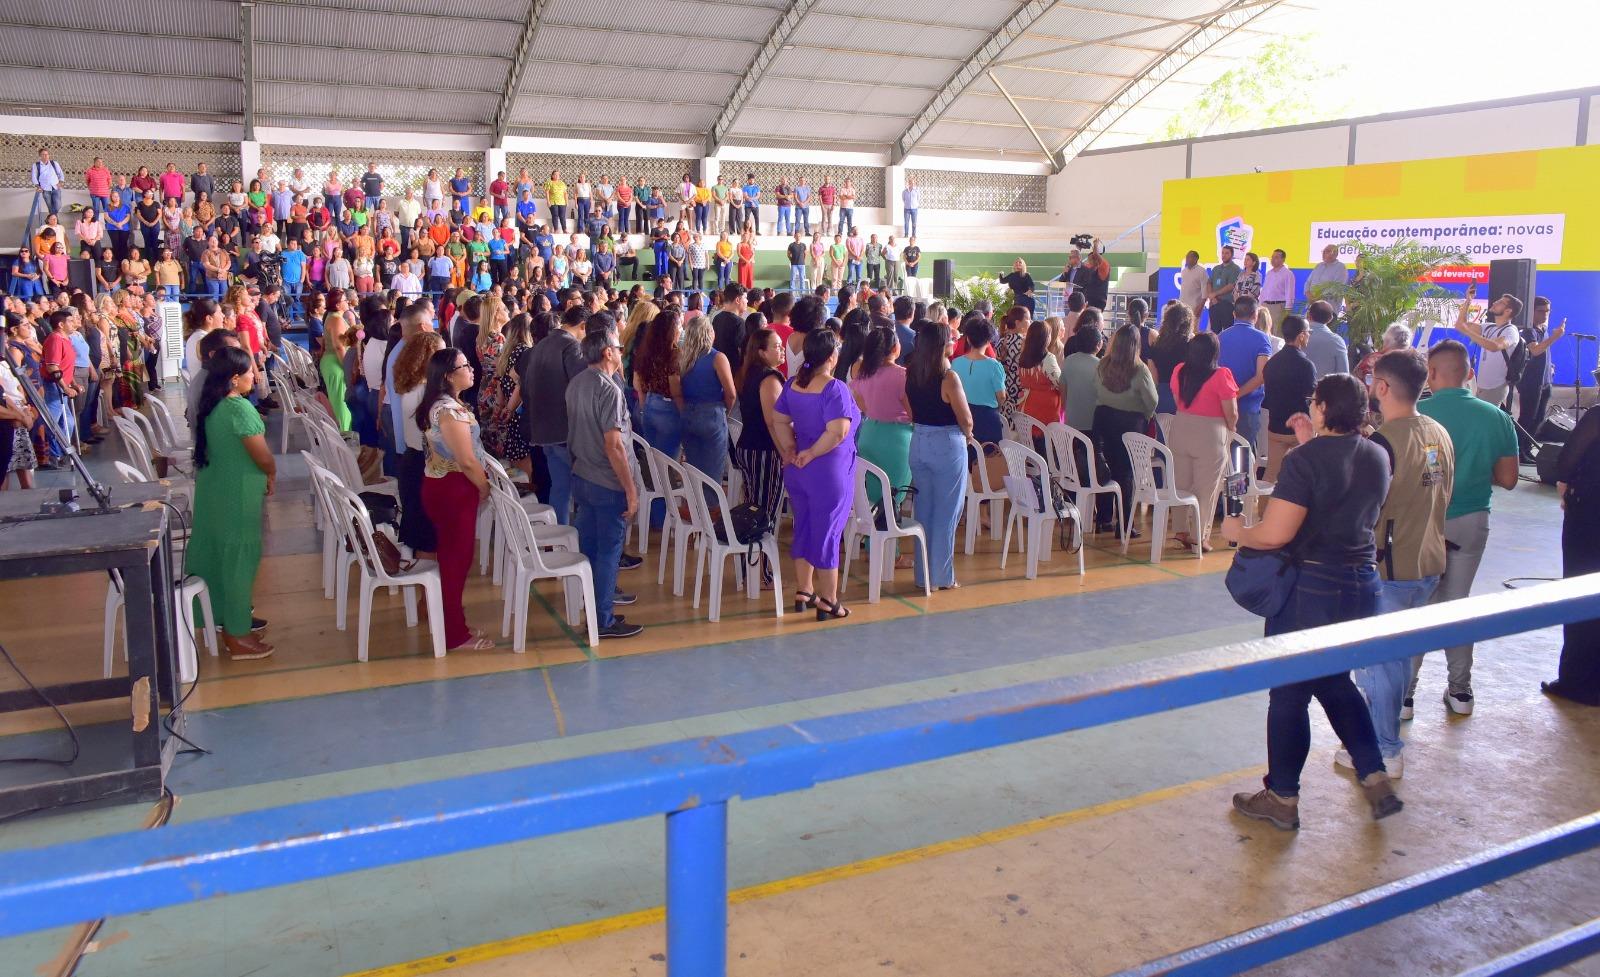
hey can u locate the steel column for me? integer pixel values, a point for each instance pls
(697, 892)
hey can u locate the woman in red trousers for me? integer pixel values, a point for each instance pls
(454, 484)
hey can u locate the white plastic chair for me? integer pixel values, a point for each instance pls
(184, 593)
(167, 432)
(336, 556)
(1033, 515)
(880, 542)
(1258, 489)
(135, 445)
(1143, 452)
(1065, 466)
(538, 512)
(985, 492)
(716, 542)
(676, 531)
(351, 522)
(526, 563)
(336, 455)
(647, 479)
(1025, 427)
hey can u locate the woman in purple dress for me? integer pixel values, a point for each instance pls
(814, 423)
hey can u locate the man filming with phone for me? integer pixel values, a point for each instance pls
(1533, 387)
(1499, 339)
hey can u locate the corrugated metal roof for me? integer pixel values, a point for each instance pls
(326, 67)
(200, 18)
(857, 73)
(118, 53)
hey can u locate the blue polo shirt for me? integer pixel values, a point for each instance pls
(752, 193)
(526, 209)
(460, 186)
(497, 247)
(1242, 343)
(545, 243)
(440, 266)
(294, 267)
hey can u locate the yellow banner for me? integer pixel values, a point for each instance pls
(1541, 204)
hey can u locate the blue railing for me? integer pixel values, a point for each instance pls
(691, 781)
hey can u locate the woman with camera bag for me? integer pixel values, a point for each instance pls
(1320, 522)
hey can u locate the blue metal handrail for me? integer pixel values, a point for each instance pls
(691, 781)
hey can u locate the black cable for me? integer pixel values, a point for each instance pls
(177, 707)
(77, 747)
(1510, 583)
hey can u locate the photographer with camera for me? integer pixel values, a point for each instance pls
(1320, 522)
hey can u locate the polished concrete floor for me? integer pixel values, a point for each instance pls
(1079, 854)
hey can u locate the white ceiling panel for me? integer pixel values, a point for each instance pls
(819, 128)
(575, 44)
(809, 63)
(838, 31)
(783, 93)
(678, 16)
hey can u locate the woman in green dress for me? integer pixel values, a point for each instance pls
(234, 471)
(335, 341)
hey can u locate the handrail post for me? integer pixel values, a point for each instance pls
(697, 891)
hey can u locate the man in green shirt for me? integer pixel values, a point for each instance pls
(1485, 456)
(719, 205)
(1219, 290)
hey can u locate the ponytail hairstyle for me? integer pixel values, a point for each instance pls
(875, 352)
(221, 368)
(820, 346)
(200, 310)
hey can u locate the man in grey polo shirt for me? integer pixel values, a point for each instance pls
(1327, 350)
(555, 360)
(603, 492)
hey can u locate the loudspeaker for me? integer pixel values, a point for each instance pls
(80, 274)
(1548, 462)
(1513, 276)
(944, 278)
(1555, 429)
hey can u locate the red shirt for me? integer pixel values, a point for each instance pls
(498, 190)
(59, 354)
(99, 180)
(1218, 387)
(172, 185)
(784, 331)
(250, 329)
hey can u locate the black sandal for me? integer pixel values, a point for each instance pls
(830, 610)
(804, 601)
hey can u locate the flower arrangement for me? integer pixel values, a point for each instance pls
(968, 292)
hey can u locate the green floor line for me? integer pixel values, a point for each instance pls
(583, 645)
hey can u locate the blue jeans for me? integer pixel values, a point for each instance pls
(601, 529)
(372, 203)
(802, 217)
(723, 268)
(847, 219)
(1385, 685)
(169, 293)
(911, 222)
(559, 461)
(216, 288)
(583, 211)
(101, 205)
(702, 217)
(52, 201)
(853, 273)
(705, 437)
(1250, 425)
(501, 212)
(63, 413)
(1324, 594)
(797, 278)
(785, 220)
(294, 290)
(939, 472)
(334, 203)
(663, 431)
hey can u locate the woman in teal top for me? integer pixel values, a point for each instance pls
(983, 380)
(335, 340)
(234, 472)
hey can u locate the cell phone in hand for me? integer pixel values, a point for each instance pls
(1237, 484)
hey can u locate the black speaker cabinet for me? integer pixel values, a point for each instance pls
(80, 274)
(1513, 276)
(944, 278)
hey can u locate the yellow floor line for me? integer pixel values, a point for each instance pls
(555, 704)
(579, 932)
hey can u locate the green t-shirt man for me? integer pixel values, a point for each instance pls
(1482, 435)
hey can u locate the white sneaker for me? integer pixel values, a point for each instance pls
(1394, 765)
(1460, 703)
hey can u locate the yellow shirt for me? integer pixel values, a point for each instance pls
(725, 250)
(482, 213)
(555, 192)
(702, 194)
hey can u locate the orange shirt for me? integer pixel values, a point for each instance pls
(440, 233)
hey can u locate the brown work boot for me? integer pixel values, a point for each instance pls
(1380, 794)
(1264, 805)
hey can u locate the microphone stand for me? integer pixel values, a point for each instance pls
(101, 494)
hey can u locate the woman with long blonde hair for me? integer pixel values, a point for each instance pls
(492, 318)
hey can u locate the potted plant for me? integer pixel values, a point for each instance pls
(968, 292)
(1391, 285)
